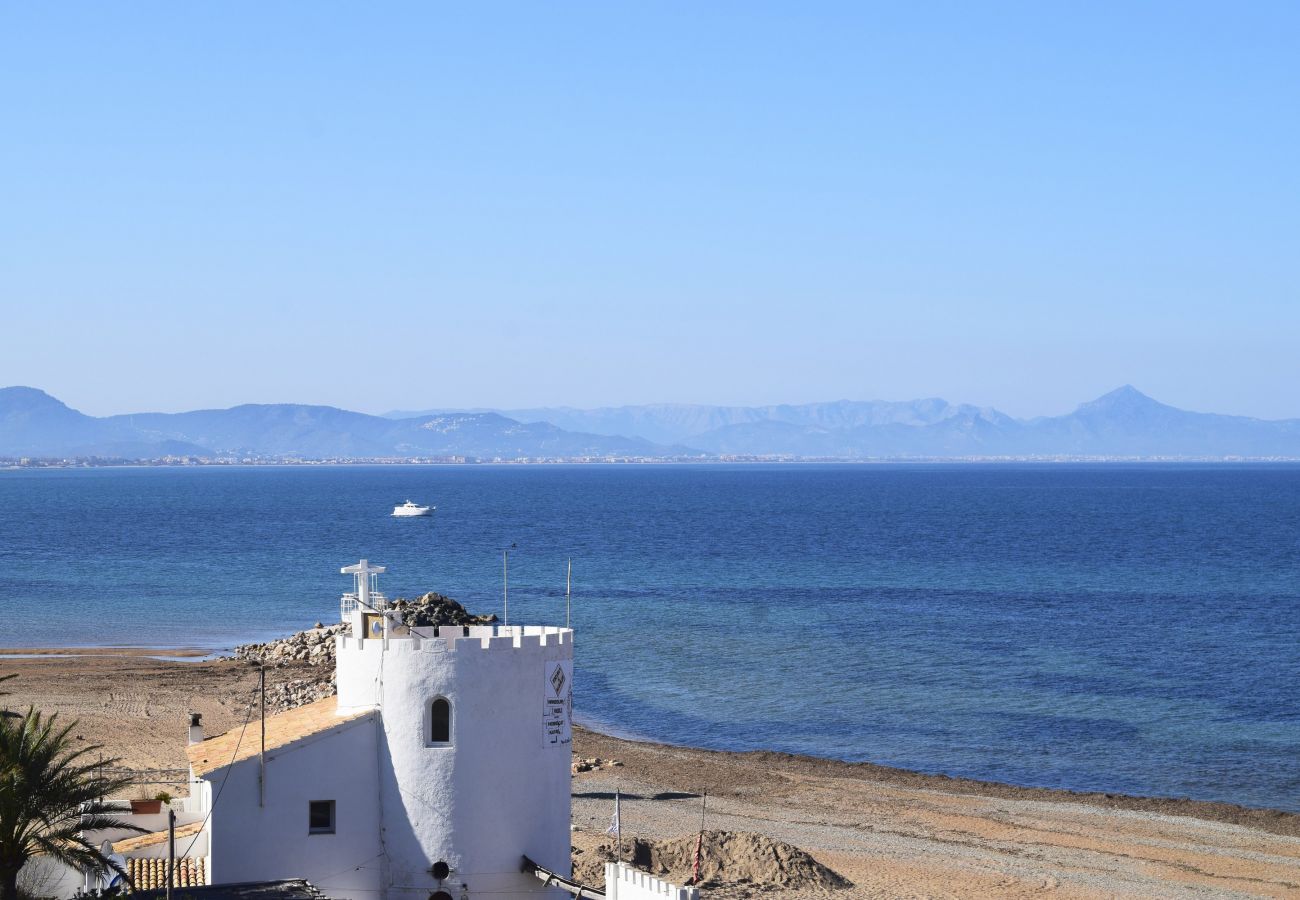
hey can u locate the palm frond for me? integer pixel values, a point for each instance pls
(51, 793)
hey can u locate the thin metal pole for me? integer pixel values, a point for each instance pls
(699, 843)
(171, 850)
(261, 753)
(505, 583)
(568, 593)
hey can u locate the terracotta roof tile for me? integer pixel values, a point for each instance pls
(282, 730)
(149, 874)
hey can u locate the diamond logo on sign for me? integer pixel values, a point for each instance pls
(557, 704)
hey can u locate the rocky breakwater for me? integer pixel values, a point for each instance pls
(304, 662)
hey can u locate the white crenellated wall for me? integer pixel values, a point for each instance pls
(500, 789)
(622, 882)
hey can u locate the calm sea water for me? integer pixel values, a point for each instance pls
(1126, 629)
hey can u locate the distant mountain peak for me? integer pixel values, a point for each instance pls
(29, 395)
(1125, 397)
(1126, 392)
(29, 401)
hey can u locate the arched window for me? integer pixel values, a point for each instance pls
(440, 721)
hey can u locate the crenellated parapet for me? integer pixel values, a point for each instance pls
(460, 638)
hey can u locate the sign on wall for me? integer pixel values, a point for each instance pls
(557, 713)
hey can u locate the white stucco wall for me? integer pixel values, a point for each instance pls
(499, 790)
(253, 843)
(45, 877)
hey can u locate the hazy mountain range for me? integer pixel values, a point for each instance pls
(1124, 422)
(32, 423)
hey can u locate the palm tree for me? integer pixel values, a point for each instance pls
(50, 792)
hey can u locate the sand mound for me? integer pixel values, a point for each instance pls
(728, 857)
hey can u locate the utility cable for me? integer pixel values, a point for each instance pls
(248, 715)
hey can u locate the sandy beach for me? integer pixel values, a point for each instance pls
(890, 833)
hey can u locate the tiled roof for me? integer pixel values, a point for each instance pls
(155, 837)
(282, 730)
(289, 889)
(151, 874)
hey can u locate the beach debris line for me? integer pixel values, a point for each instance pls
(594, 764)
(726, 857)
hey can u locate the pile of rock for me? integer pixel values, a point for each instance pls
(285, 695)
(307, 659)
(594, 764)
(314, 646)
(436, 609)
(310, 654)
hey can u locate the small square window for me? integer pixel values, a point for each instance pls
(320, 817)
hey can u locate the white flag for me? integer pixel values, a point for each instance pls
(615, 826)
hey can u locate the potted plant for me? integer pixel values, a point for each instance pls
(145, 805)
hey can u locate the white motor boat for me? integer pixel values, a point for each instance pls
(408, 509)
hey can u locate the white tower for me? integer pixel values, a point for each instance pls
(474, 751)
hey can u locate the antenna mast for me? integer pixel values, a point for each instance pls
(261, 753)
(505, 580)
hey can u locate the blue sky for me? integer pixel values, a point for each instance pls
(403, 206)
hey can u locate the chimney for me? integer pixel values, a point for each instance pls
(196, 727)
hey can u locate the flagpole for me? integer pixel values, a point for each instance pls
(699, 843)
(616, 827)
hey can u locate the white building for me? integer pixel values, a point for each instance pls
(441, 765)
(443, 762)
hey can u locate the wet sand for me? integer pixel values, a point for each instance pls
(154, 652)
(893, 833)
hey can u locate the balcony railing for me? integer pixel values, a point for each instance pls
(349, 602)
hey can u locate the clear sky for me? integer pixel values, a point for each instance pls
(381, 205)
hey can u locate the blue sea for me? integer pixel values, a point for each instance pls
(1130, 629)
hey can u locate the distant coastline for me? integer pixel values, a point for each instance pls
(99, 463)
